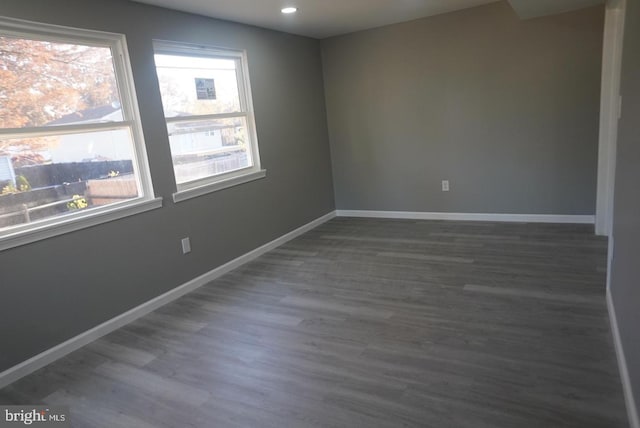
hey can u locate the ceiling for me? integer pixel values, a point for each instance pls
(532, 9)
(326, 18)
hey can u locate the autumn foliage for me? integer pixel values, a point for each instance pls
(43, 81)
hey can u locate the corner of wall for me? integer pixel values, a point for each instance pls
(632, 411)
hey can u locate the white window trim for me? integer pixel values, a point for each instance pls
(194, 192)
(215, 183)
(54, 226)
(40, 230)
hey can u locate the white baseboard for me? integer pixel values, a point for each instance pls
(632, 411)
(47, 357)
(519, 218)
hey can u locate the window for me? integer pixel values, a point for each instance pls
(207, 104)
(71, 146)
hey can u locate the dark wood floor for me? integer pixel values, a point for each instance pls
(366, 323)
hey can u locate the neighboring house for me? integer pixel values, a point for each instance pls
(96, 146)
(7, 173)
(187, 139)
(196, 138)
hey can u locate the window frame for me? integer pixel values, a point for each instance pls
(225, 180)
(53, 226)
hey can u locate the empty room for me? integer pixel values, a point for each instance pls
(320, 213)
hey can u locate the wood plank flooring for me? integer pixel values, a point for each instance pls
(366, 323)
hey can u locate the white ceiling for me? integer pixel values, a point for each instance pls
(326, 18)
(534, 8)
(318, 18)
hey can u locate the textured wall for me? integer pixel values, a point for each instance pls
(60, 287)
(505, 109)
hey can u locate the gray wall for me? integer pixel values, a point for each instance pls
(57, 288)
(625, 274)
(507, 110)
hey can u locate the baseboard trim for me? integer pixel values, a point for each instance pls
(519, 218)
(47, 357)
(632, 411)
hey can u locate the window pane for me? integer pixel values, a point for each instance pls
(202, 149)
(53, 176)
(197, 85)
(49, 83)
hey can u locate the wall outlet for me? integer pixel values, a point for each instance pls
(445, 185)
(186, 245)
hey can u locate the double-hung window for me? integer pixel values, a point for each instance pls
(207, 105)
(71, 146)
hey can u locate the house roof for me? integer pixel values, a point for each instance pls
(89, 115)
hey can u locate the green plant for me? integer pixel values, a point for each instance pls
(78, 203)
(22, 183)
(9, 189)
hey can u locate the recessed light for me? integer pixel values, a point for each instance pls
(289, 10)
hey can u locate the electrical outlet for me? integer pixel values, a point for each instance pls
(445, 185)
(186, 245)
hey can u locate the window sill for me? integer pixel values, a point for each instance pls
(194, 192)
(60, 226)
